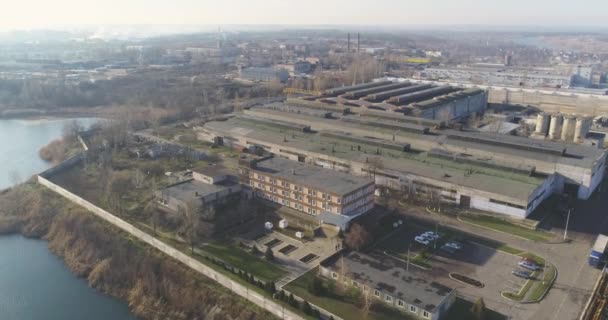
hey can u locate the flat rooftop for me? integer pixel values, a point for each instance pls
(549, 152)
(316, 177)
(191, 190)
(389, 95)
(512, 184)
(384, 274)
(212, 170)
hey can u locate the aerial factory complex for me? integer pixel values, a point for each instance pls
(398, 134)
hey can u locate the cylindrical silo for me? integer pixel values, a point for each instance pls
(555, 128)
(568, 128)
(582, 128)
(542, 123)
(579, 131)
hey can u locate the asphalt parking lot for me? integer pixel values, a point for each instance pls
(491, 267)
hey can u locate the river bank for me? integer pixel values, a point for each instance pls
(35, 284)
(154, 286)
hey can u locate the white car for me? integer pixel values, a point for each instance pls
(431, 235)
(422, 240)
(454, 244)
(529, 265)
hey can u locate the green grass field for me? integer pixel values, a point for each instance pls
(543, 284)
(505, 226)
(238, 257)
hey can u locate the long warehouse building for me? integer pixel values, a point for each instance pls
(492, 172)
(403, 97)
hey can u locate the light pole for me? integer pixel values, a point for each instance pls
(407, 266)
(567, 222)
(435, 237)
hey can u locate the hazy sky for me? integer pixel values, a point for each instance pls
(44, 13)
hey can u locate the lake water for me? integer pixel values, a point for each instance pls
(35, 284)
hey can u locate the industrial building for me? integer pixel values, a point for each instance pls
(500, 76)
(590, 102)
(503, 75)
(567, 128)
(332, 197)
(400, 97)
(391, 284)
(210, 185)
(263, 74)
(486, 171)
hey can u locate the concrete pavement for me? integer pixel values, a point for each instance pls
(572, 289)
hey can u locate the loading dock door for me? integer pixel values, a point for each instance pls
(465, 201)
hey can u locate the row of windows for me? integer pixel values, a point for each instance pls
(507, 204)
(287, 185)
(287, 203)
(295, 196)
(387, 298)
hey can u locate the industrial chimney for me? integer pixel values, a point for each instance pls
(348, 39)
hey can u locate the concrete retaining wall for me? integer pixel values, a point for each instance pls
(70, 162)
(237, 288)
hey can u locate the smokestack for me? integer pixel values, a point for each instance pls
(348, 39)
(358, 41)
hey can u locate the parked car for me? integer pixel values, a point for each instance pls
(432, 235)
(454, 244)
(528, 260)
(448, 249)
(529, 265)
(522, 274)
(422, 240)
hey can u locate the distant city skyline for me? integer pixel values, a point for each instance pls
(35, 14)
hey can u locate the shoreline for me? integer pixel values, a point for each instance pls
(102, 112)
(106, 257)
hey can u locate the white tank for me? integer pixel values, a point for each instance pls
(542, 123)
(555, 128)
(568, 128)
(583, 125)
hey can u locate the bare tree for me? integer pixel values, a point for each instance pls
(190, 214)
(139, 179)
(71, 131)
(411, 191)
(153, 214)
(373, 165)
(367, 301)
(435, 200)
(357, 237)
(342, 272)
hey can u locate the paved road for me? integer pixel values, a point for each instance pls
(572, 289)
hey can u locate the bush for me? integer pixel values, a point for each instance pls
(316, 287)
(281, 295)
(269, 255)
(255, 250)
(270, 287)
(306, 307)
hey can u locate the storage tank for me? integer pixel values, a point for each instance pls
(555, 128)
(568, 128)
(542, 123)
(583, 125)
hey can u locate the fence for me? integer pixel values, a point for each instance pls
(241, 290)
